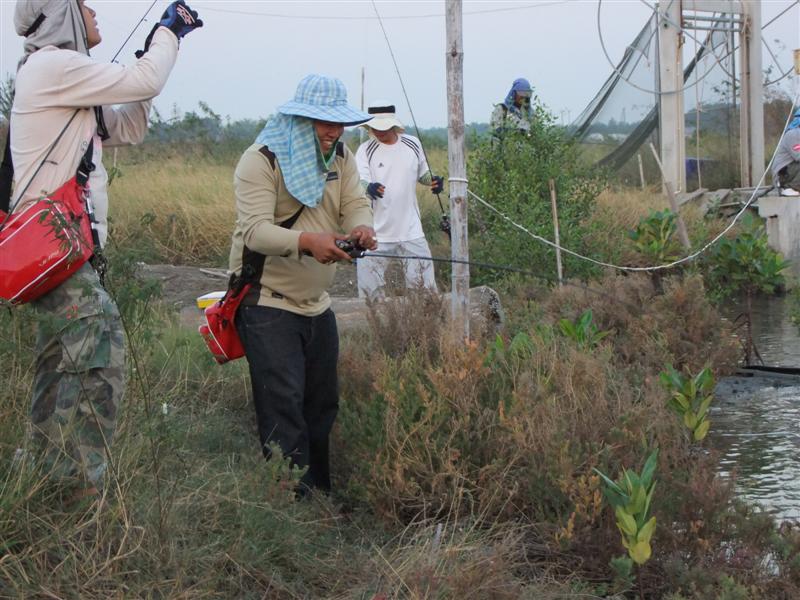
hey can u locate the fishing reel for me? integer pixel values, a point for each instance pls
(352, 248)
(444, 225)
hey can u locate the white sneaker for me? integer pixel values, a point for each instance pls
(789, 192)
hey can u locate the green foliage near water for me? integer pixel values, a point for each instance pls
(511, 172)
(654, 237)
(745, 264)
(690, 398)
(631, 496)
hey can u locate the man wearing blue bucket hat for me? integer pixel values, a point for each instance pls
(297, 191)
(514, 113)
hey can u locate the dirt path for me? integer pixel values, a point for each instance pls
(181, 285)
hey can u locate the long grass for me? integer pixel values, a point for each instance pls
(459, 472)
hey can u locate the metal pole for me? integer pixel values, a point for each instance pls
(458, 171)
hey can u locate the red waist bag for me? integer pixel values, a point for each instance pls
(219, 330)
(45, 244)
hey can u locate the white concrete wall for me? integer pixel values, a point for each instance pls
(782, 216)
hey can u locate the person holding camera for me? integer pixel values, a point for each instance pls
(67, 106)
(297, 192)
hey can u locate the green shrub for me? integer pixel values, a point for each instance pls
(512, 174)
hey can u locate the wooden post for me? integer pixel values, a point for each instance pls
(458, 171)
(641, 169)
(557, 237)
(683, 236)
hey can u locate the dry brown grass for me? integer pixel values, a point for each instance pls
(618, 211)
(174, 211)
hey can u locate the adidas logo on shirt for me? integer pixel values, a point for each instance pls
(380, 165)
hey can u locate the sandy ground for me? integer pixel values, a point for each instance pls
(181, 285)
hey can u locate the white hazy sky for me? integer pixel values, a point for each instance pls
(249, 56)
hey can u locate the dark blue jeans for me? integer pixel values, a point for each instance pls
(292, 362)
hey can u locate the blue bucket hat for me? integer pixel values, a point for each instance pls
(324, 99)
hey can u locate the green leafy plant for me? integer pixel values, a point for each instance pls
(746, 265)
(511, 172)
(583, 331)
(690, 398)
(630, 497)
(654, 237)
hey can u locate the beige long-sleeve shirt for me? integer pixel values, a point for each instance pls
(290, 281)
(51, 85)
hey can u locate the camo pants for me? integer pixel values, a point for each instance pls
(80, 378)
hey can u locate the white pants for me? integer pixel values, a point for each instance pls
(371, 271)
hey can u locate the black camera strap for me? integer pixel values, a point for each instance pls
(6, 175)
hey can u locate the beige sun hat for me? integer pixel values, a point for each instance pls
(383, 116)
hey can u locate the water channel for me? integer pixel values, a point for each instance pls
(756, 420)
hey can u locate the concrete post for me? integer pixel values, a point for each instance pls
(671, 118)
(752, 95)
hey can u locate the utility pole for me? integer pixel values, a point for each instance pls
(457, 171)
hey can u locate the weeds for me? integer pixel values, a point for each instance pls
(459, 471)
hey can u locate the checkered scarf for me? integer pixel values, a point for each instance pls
(294, 142)
(795, 122)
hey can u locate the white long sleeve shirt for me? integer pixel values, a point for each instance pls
(51, 85)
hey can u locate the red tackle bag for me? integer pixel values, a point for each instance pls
(45, 244)
(219, 330)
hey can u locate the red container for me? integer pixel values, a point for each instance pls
(219, 330)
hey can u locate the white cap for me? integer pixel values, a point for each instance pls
(383, 116)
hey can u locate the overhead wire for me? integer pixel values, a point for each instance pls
(393, 17)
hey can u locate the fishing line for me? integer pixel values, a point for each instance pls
(445, 218)
(496, 267)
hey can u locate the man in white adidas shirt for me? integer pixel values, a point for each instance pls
(390, 164)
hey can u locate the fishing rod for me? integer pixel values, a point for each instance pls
(444, 224)
(355, 251)
(507, 268)
(135, 27)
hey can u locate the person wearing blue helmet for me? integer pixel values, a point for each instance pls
(514, 113)
(786, 166)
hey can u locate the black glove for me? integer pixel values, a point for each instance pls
(178, 18)
(437, 184)
(374, 190)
